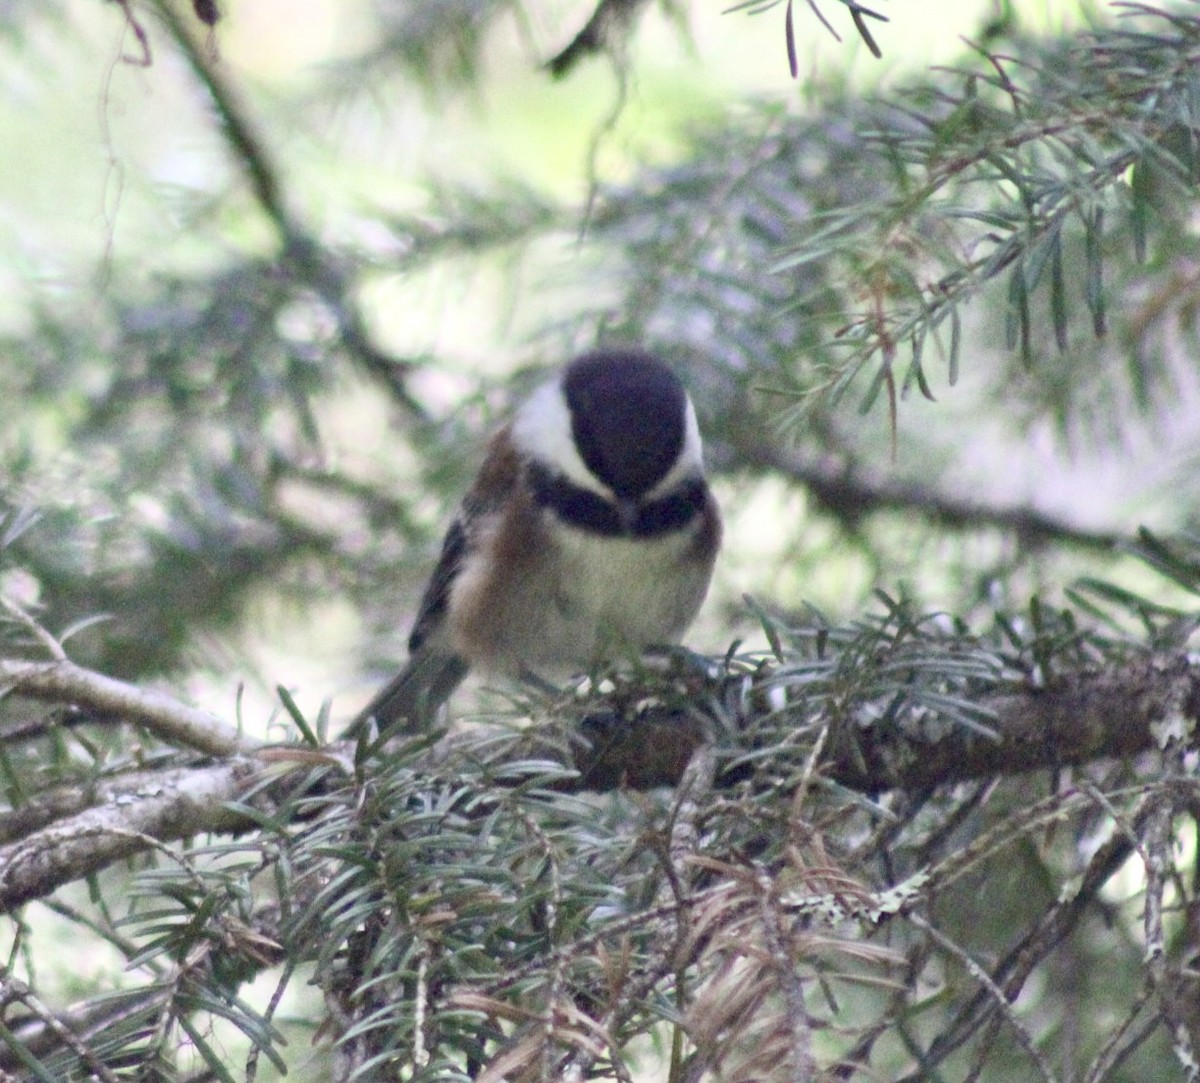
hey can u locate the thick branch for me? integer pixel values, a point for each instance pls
(1110, 713)
(1082, 717)
(1128, 708)
(179, 804)
(176, 723)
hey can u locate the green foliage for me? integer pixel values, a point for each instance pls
(975, 226)
(844, 249)
(467, 914)
(863, 294)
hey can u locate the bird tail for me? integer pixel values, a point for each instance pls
(409, 701)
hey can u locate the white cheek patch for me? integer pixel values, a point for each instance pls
(542, 430)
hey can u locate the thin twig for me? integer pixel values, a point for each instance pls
(12, 989)
(52, 646)
(994, 992)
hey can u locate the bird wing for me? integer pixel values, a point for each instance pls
(434, 669)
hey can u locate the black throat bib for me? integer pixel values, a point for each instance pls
(589, 511)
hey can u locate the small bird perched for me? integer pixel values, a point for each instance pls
(589, 532)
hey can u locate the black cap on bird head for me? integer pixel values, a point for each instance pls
(628, 417)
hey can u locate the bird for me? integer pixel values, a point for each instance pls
(589, 532)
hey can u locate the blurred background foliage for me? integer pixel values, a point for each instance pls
(265, 287)
(264, 295)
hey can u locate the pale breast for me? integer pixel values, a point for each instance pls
(566, 598)
(614, 595)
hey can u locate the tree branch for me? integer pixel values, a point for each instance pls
(303, 252)
(179, 804)
(239, 132)
(852, 495)
(1082, 717)
(176, 723)
(609, 20)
